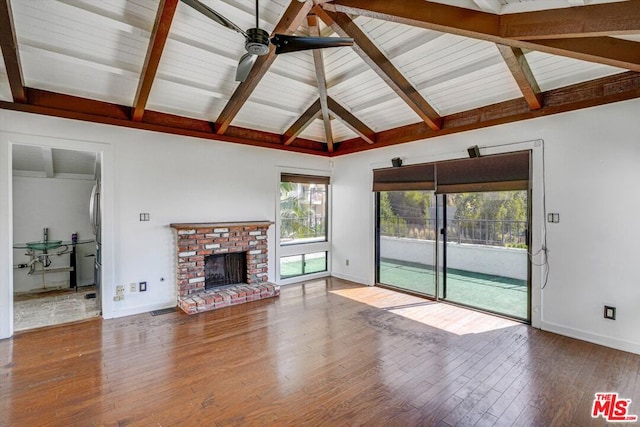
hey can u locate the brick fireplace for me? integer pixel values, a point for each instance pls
(195, 242)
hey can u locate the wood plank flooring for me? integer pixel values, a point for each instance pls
(327, 352)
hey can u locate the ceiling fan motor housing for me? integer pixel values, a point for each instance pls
(257, 41)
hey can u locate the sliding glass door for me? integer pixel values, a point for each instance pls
(407, 240)
(486, 251)
(458, 231)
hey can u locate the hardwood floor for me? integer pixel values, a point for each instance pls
(323, 353)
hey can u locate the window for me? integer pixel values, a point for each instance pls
(303, 225)
(303, 209)
(298, 265)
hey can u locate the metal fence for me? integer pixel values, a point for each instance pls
(482, 231)
(311, 226)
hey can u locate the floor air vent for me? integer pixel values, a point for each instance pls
(163, 311)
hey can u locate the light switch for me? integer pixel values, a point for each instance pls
(609, 312)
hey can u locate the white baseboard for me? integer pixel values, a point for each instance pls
(350, 278)
(130, 311)
(606, 341)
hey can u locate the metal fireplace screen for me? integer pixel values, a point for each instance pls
(225, 269)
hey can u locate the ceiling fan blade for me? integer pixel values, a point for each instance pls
(286, 44)
(212, 14)
(244, 66)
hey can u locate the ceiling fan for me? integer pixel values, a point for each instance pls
(257, 40)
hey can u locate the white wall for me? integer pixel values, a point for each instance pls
(62, 205)
(173, 178)
(592, 162)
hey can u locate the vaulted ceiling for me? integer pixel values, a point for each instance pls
(418, 69)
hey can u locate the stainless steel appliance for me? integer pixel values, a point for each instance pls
(95, 217)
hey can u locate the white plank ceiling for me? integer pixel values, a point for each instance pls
(95, 49)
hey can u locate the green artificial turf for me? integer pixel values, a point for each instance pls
(494, 293)
(294, 268)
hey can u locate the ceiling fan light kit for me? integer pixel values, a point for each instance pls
(257, 40)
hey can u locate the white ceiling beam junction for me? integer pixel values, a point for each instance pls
(47, 162)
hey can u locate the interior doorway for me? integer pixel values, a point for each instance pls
(55, 247)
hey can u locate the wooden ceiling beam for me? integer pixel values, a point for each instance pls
(159, 34)
(419, 13)
(606, 90)
(290, 21)
(76, 108)
(369, 52)
(309, 144)
(321, 78)
(605, 50)
(312, 113)
(616, 88)
(351, 121)
(607, 19)
(519, 67)
(492, 6)
(9, 46)
(482, 26)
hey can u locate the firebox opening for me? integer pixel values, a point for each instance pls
(225, 269)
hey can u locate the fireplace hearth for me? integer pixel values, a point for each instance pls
(221, 264)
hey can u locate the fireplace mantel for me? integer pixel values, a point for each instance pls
(192, 225)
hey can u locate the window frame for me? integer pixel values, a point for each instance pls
(303, 248)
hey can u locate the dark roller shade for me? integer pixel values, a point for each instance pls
(405, 178)
(500, 172)
(304, 179)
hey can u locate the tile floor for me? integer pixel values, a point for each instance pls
(52, 308)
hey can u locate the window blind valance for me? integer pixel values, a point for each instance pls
(413, 177)
(500, 172)
(304, 179)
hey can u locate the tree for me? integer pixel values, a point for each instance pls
(390, 223)
(297, 216)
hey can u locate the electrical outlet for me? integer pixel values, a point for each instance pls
(143, 286)
(120, 290)
(133, 287)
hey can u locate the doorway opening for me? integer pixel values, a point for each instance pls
(56, 247)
